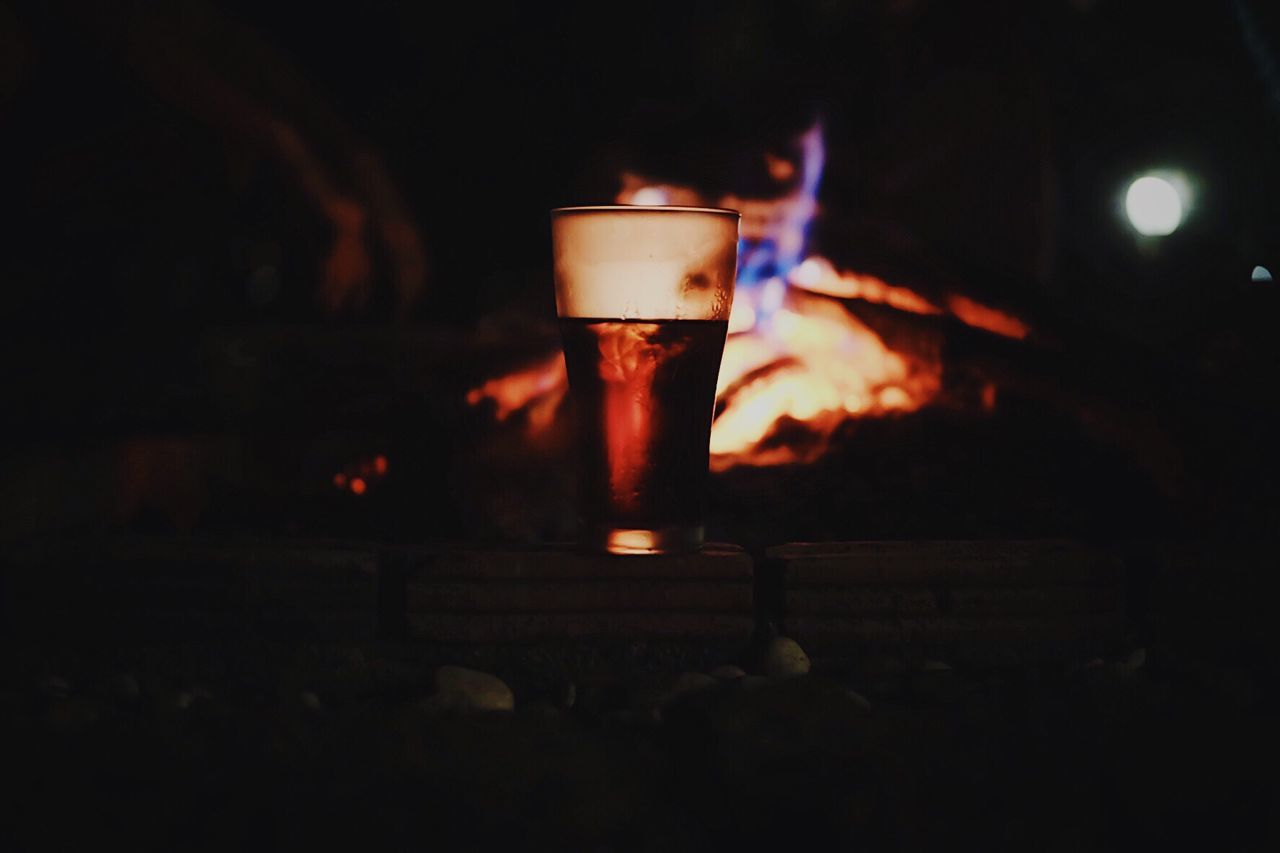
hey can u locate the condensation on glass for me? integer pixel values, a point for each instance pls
(643, 295)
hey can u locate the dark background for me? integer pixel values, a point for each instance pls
(486, 119)
(149, 206)
(190, 353)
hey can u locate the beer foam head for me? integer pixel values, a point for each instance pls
(644, 263)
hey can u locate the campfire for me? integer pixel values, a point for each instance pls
(798, 361)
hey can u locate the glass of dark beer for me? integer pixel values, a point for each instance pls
(643, 295)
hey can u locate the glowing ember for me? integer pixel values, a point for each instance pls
(987, 318)
(360, 476)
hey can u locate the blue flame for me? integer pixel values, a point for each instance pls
(771, 249)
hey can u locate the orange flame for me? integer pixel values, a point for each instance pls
(816, 365)
(817, 275)
(797, 363)
(987, 318)
(516, 390)
(787, 382)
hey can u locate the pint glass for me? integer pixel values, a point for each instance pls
(643, 295)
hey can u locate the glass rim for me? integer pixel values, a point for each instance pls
(644, 208)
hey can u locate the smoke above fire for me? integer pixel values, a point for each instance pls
(798, 363)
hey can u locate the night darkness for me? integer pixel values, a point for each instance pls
(254, 253)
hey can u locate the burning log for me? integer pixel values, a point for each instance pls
(798, 361)
(726, 396)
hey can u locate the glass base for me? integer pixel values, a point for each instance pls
(634, 540)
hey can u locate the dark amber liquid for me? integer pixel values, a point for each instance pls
(644, 392)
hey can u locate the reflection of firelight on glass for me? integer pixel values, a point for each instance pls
(644, 297)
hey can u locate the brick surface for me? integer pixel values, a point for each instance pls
(449, 595)
(991, 562)
(975, 600)
(951, 600)
(537, 627)
(603, 596)
(714, 562)
(1015, 634)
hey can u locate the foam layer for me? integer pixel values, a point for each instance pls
(644, 263)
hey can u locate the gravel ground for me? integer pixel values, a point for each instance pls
(250, 741)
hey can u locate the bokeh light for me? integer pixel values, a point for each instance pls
(1154, 206)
